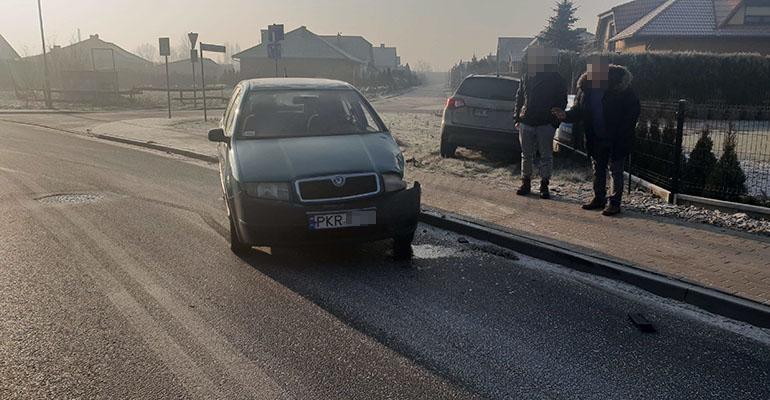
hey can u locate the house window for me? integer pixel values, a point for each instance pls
(757, 15)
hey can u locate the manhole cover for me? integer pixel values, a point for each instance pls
(71, 198)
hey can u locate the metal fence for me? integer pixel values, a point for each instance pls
(715, 151)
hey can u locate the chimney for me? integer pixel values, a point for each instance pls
(96, 36)
(265, 37)
(382, 45)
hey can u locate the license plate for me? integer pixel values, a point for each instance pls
(342, 219)
(481, 113)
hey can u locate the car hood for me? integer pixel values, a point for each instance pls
(288, 159)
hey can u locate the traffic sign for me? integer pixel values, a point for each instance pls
(214, 48)
(193, 39)
(275, 33)
(164, 44)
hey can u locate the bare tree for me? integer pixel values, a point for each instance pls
(147, 51)
(180, 50)
(423, 66)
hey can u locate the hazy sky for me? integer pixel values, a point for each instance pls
(437, 31)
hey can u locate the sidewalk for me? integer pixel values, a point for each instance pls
(732, 262)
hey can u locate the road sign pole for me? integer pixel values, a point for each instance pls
(195, 86)
(203, 87)
(193, 37)
(168, 89)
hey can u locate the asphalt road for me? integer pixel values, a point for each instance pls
(132, 293)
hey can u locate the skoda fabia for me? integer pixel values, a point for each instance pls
(309, 161)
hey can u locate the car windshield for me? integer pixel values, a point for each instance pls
(296, 113)
(489, 88)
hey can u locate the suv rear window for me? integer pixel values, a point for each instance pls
(489, 88)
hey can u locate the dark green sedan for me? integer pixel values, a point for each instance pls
(309, 161)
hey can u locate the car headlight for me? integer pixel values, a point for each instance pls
(268, 191)
(393, 182)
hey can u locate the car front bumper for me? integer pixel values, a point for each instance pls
(272, 223)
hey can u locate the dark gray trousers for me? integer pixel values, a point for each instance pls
(602, 160)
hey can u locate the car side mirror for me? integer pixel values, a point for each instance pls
(218, 135)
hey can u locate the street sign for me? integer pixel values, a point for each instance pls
(214, 48)
(193, 56)
(164, 44)
(275, 33)
(193, 39)
(274, 51)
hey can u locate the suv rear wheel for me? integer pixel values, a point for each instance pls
(447, 149)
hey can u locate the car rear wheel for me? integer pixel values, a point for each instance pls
(236, 246)
(402, 247)
(448, 149)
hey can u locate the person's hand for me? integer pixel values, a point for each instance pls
(517, 126)
(559, 113)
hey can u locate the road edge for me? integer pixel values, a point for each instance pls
(708, 299)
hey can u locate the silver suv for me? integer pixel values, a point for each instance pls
(479, 116)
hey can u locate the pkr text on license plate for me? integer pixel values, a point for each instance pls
(342, 219)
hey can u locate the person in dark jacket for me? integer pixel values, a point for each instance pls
(541, 89)
(609, 109)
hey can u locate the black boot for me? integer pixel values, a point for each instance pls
(612, 209)
(526, 187)
(544, 192)
(595, 204)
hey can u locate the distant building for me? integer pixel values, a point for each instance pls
(356, 46)
(717, 26)
(304, 54)
(7, 56)
(510, 53)
(386, 57)
(7, 53)
(181, 72)
(91, 64)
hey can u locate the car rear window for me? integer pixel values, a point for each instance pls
(489, 88)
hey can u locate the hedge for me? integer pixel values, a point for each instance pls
(741, 79)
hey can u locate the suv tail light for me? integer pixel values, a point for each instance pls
(455, 103)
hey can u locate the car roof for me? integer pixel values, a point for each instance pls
(505, 77)
(295, 83)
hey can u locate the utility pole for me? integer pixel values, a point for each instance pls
(47, 82)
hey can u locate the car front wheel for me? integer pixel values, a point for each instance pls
(236, 246)
(402, 247)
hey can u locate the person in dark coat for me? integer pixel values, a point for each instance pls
(609, 110)
(541, 89)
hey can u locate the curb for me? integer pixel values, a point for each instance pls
(41, 112)
(708, 299)
(159, 147)
(132, 142)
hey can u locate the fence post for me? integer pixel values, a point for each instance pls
(677, 170)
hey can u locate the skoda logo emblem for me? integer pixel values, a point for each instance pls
(338, 181)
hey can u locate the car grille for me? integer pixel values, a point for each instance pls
(325, 189)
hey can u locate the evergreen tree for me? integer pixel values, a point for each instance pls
(700, 165)
(560, 32)
(728, 181)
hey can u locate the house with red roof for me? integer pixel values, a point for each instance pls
(713, 26)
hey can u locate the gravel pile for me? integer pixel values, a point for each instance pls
(419, 137)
